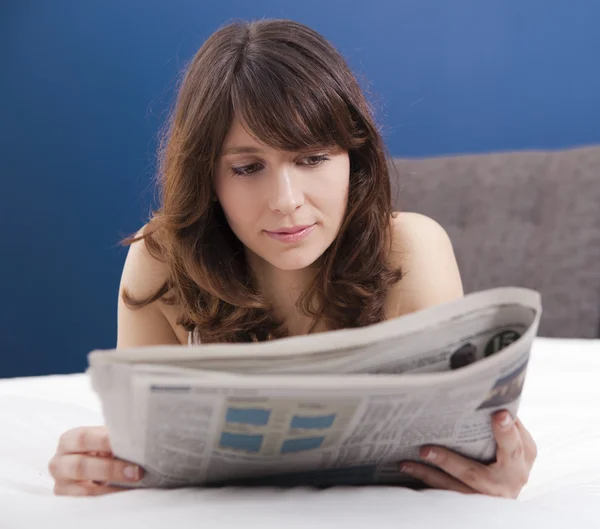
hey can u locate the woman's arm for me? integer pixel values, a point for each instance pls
(424, 251)
(84, 464)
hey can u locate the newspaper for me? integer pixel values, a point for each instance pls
(339, 407)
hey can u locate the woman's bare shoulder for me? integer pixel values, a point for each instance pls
(423, 250)
(143, 274)
(156, 323)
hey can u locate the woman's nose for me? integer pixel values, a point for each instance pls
(286, 195)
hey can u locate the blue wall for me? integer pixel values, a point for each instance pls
(84, 86)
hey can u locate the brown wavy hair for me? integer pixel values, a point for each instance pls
(291, 89)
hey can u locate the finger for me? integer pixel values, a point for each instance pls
(84, 439)
(510, 446)
(435, 478)
(79, 467)
(529, 444)
(473, 474)
(82, 488)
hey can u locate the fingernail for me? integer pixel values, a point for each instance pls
(406, 468)
(506, 420)
(132, 473)
(429, 454)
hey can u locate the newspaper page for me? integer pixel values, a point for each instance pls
(345, 413)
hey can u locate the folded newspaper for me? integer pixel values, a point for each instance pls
(339, 407)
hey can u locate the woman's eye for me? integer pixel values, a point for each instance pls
(315, 160)
(245, 170)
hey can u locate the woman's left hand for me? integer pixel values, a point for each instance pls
(506, 477)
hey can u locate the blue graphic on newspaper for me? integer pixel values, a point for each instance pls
(274, 428)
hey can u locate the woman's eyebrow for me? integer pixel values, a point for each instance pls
(242, 149)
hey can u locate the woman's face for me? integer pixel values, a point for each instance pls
(285, 207)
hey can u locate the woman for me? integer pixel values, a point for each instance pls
(275, 220)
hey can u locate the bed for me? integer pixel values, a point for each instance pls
(560, 407)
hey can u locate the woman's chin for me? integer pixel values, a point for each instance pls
(295, 260)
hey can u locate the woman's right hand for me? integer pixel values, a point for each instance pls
(84, 464)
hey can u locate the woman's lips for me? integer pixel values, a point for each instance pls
(293, 234)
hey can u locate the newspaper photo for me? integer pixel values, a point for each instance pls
(334, 408)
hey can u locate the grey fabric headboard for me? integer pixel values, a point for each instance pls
(527, 219)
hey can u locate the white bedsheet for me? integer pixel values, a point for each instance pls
(560, 406)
